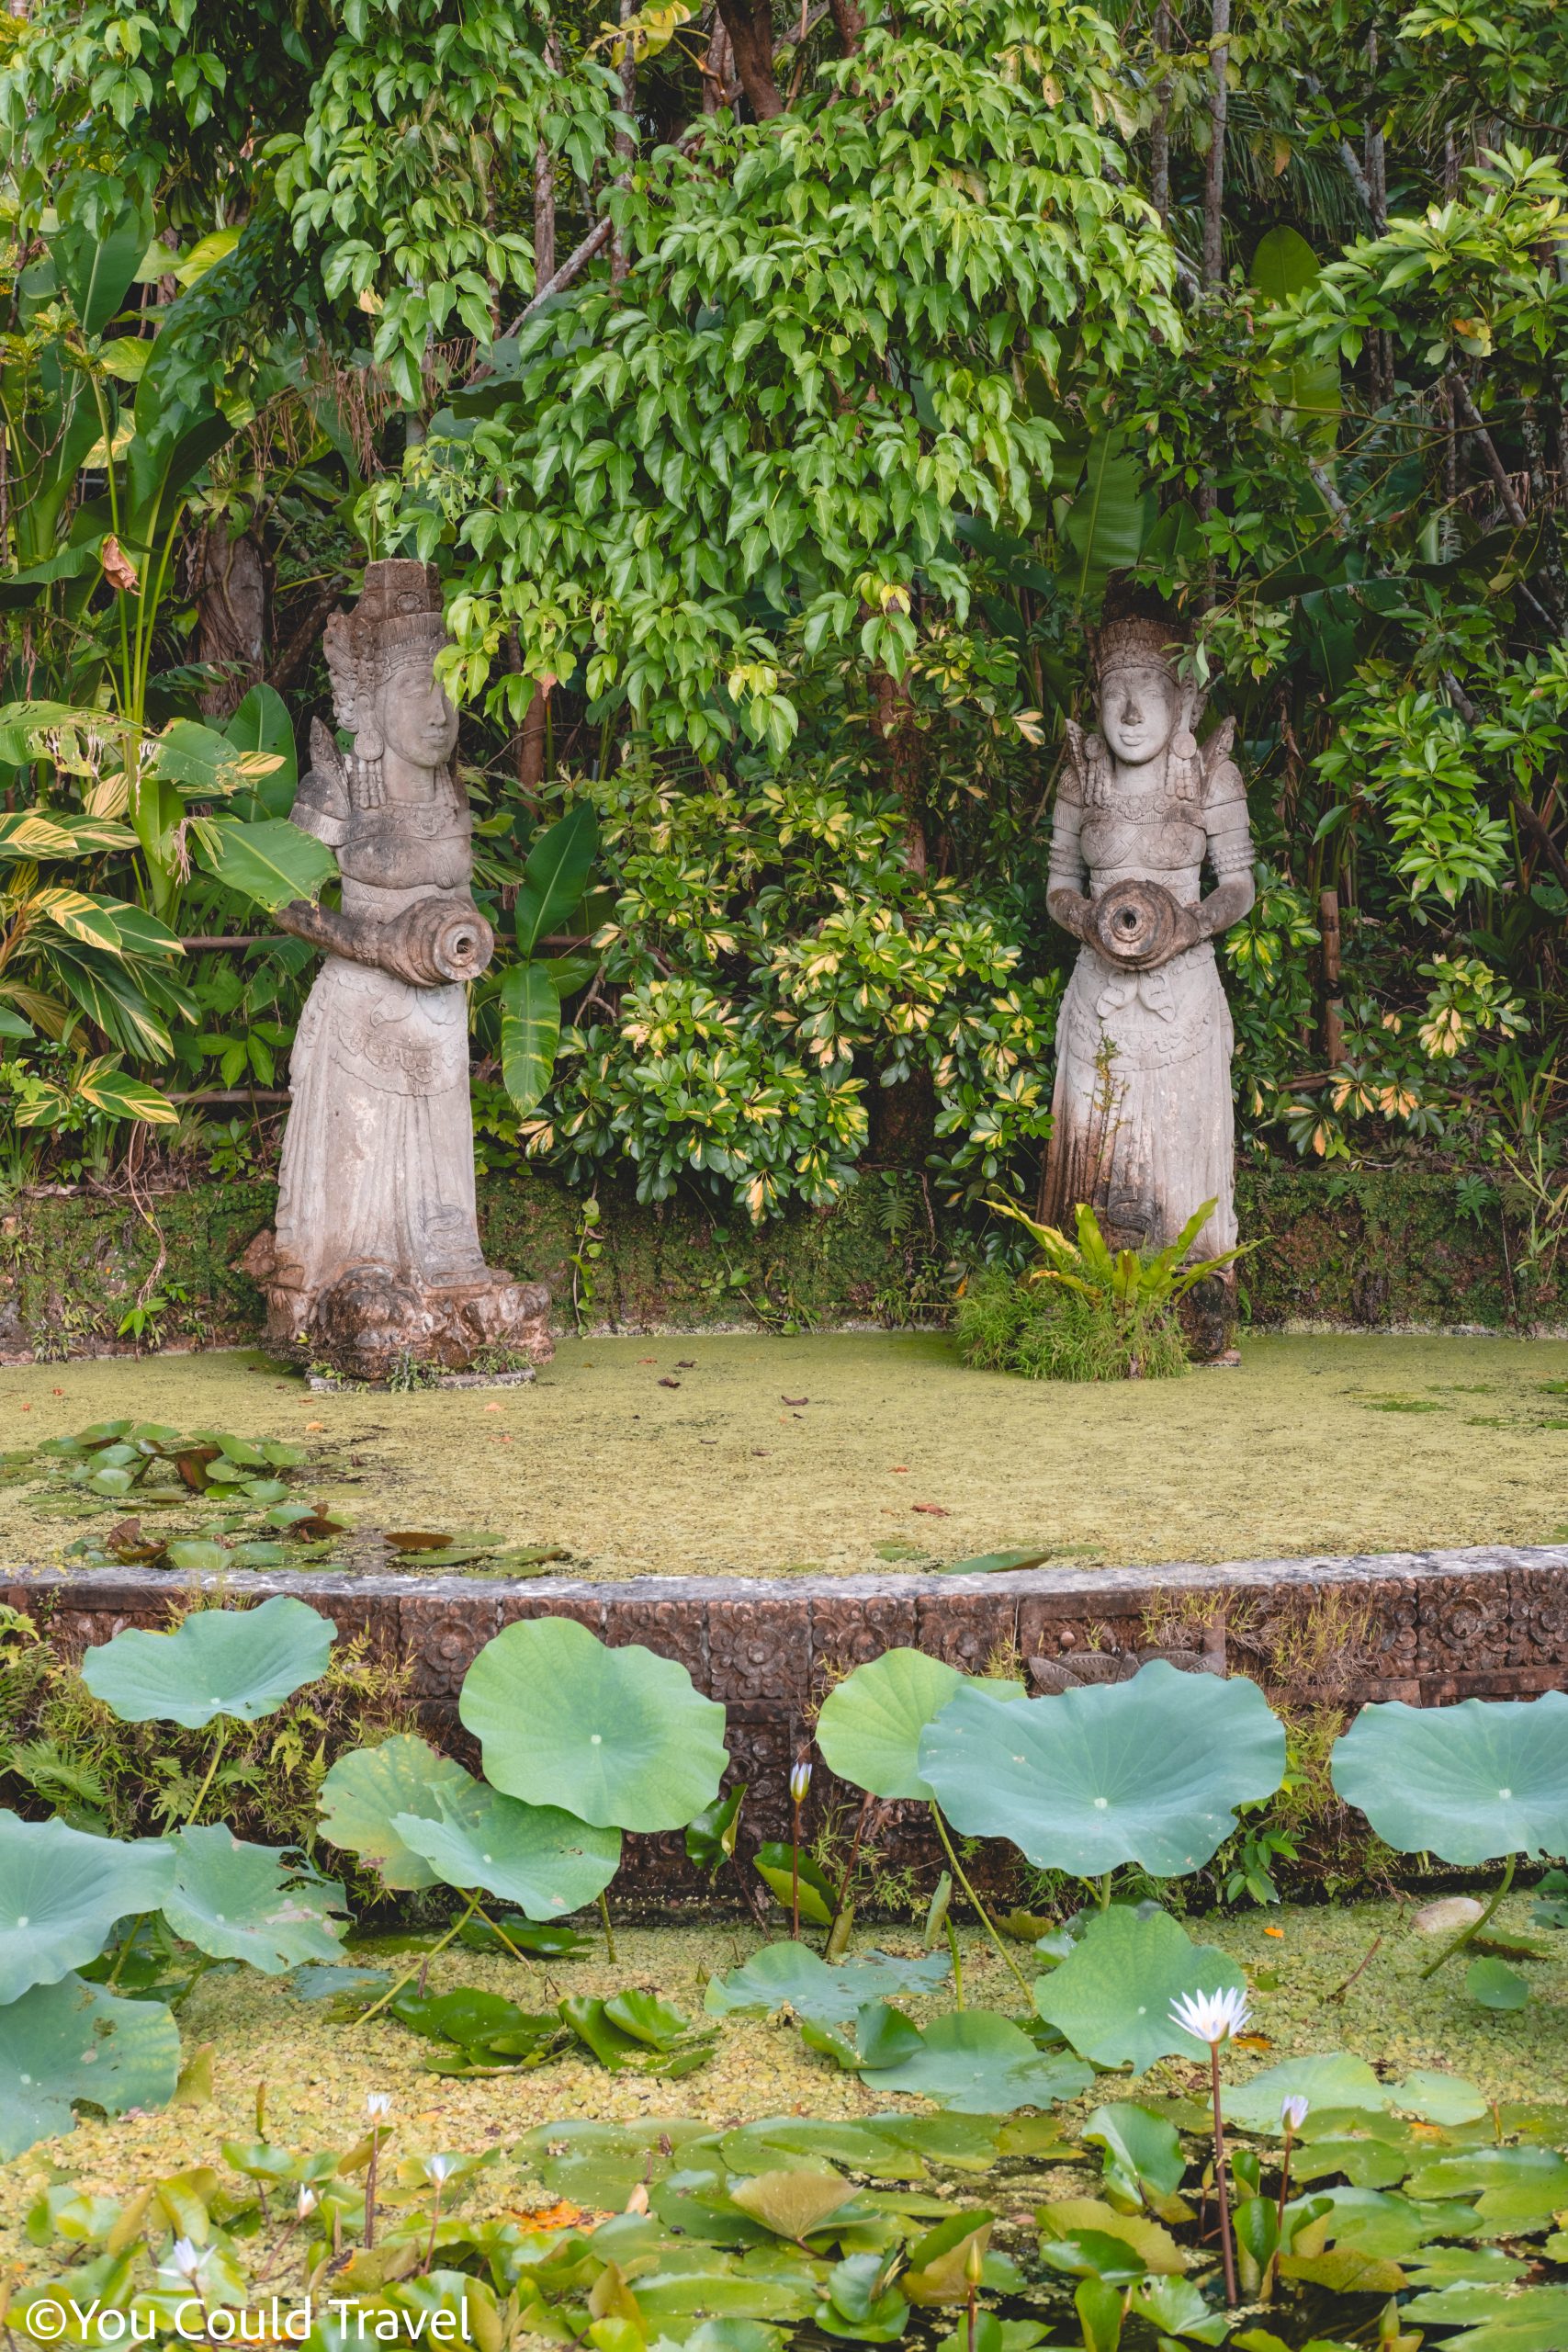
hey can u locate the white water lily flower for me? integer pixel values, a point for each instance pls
(186, 2259)
(378, 2106)
(800, 1781)
(306, 2204)
(1293, 2112)
(1213, 2017)
(440, 2169)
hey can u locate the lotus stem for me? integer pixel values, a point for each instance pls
(370, 2186)
(609, 1931)
(123, 1953)
(218, 1749)
(951, 1933)
(1222, 2193)
(1465, 1934)
(982, 1914)
(500, 1933)
(409, 1973)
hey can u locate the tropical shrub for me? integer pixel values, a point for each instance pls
(1086, 1312)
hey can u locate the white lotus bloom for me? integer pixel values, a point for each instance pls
(800, 1781)
(440, 2169)
(186, 2259)
(1211, 2017)
(1293, 2112)
(378, 2106)
(306, 2204)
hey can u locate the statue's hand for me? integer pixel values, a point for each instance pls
(1074, 911)
(1188, 930)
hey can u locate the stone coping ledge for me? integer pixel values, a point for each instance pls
(1430, 1628)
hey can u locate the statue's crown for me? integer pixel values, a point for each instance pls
(398, 618)
(1135, 642)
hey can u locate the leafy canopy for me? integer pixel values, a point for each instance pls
(839, 335)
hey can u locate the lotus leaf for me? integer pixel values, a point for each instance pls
(67, 2040)
(861, 2304)
(777, 2142)
(546, 1861)
(981, 2064)
(870, 1726)
(619, 1736)
(787, 1975)
(1147, 1772)
(365, 1792)
(1111, 1995)
(1471, 1782)
(672, 2297)
(601, 2164)
(61, 1894)
(250, 1903)
(241, 1662)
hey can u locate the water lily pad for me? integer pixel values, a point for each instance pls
(365, 1792)
(1471, 1782)
(544, 1860)
(793, 2202)
(241, 1662)
(1496, 1986)
(67, 2040)
(1535, 2320)
(61, 1894)
(981, 2064)
(1111, 1996)
(787, 1975)
(245, 1902)
(870, 1726)
(621, 1738)
(1335, 2079)
(1149, 1771)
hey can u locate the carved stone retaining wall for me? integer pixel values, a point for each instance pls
(1428, 1627)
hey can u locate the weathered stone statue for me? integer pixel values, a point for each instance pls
(1143, 1123)
(376, 1257)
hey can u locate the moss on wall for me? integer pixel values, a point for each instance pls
(1373, 1249)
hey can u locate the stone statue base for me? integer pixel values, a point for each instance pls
(374, 1321)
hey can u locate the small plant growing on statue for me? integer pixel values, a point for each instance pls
(1086, 1312)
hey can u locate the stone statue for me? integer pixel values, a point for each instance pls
(1144, 1128)
(376, 1257)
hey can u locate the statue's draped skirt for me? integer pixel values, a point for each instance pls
(378, 1156)
(1143, 1125)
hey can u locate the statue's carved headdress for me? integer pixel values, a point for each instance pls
(1134, 642)
(397, 620)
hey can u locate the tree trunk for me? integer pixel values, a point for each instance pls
(897, 725)
(850, 24)
(231, 616)
(1214, 180)
(749, 25)
(719, 71)
(544, 190)
(1159, 130)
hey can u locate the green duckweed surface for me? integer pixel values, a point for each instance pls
(317, 2073)
(697, 1455)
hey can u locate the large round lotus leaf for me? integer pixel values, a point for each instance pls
(1146, 1772)
(1111, 1995)
(70, 2040)
(241, 1662)
(620, 1737)
(61, 1892)
(869, 1729)
(1471, 1782)
(546, 1861)
(981, 2064)
(365, 1792)
(243, 1902)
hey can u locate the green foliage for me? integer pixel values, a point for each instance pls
(218, 1662)
(1111, 1995)
(1144, 1772)
(69, 2040)
(1472, 1782)
(870, 1724)
(620, 1737)
(542, 1858)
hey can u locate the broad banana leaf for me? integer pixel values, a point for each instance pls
(556, 876)
(530, 1032)
(1107, 523)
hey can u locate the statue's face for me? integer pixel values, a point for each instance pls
(418, 722)
(1138, 712)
